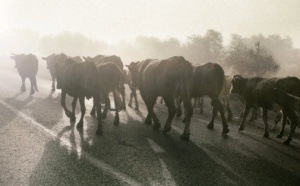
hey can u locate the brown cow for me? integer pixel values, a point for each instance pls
(269, 93)
(27, 66)
(168, 78)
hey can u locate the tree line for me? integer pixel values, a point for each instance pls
(257, 55)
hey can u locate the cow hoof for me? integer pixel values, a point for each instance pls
(210, 126)
(129, 105)
(23, 89)
(156, 126)
(99, 132)
(185, 137)
(225, 131)
(266, 135)
(166, 130)
(32, 92)
(241, 128)
(287, 142)
(279, 136)
(184, 120)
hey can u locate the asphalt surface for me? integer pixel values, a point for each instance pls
(40, 146)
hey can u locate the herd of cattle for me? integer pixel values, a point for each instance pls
(175, 79)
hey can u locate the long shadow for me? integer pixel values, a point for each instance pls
(18, 101)
(124, 146)
(46, 111)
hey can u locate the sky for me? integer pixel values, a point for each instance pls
(115, 20)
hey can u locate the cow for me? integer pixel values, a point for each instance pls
(27, 66)
(268, 94)
(209, 80)
(100, 59)
(52, 60)
(168, 78)
(80, 81)
(109, 79)
(133, 94)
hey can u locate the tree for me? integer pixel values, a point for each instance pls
(255, 61)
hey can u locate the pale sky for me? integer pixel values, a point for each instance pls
(114, 20)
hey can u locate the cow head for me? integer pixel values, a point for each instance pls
(49, 60)
(133, 69)
(238, 84)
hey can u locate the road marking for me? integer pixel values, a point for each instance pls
(166, 174)
(90, 158)
(156, 148)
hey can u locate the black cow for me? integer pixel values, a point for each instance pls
(168, 78)
(27, 66)
(100, 59)
(80, 81)
(109, 79)
(128, 80)
(269, 93)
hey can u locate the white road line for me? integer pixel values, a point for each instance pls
(156, 148)
(90, 158)
(168, 179)
(166, 174)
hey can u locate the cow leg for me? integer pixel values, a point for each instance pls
(122, 90)
(73, 118)
(220, 107)
(284, 119)
(214, 103)
(93, 111)
(35, 84)
(63, 104)
(245, 114)
(53, 83)
(171, 113)
(23, 87)
(150, 101)
(107, 105)
(229, 111)
(200, 105)
(83, 109)
(136, 101)
(130, 99)
(32, 91)
(179, 110)
(294, 122)
(265, 119)
(98, 108)
(117, 106)
(188, 108)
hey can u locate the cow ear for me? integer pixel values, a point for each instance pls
(85, 58)
(128, 66)
(13, 57)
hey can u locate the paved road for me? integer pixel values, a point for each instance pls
(39, 146)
